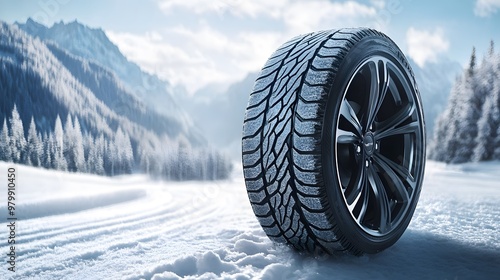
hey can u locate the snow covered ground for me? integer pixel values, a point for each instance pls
(74, 226)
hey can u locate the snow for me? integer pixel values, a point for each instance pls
(74, 226)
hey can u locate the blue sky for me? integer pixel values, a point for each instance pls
(199, 42)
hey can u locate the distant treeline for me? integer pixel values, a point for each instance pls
(67, 148)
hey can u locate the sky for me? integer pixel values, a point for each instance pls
(196, 43)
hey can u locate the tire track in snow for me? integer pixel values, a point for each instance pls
(162, 219)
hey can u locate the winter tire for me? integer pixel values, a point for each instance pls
(334, 143)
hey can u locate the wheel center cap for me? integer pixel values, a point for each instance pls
(369, 143)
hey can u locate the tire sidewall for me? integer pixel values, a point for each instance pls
(347, 227)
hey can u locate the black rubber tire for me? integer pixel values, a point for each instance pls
(299, 173)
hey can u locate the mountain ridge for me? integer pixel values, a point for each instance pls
(93, 44)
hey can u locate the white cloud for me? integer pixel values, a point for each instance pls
(426, 46)
(314, 15)
(485, 8)
(175, 64)
(201, 52)
(237, 7)
(195, 58)
(299, 16)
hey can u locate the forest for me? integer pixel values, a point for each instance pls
(469, 129)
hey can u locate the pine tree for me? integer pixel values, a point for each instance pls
(78, 150)
(496, 153)
(48, 151)
(472, 62)
(69, 144)
(34, 148)
(17, 140)
(95, 163)
(59, 161)
(5, 150)
(124, 152)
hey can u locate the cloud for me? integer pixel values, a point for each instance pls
(195, 58)
(169, 62)
(425, 46)
(300, 16)
(211, 50)
(236, 7)
(485, 8)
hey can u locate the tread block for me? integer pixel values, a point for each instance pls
(309, 178)
(327, 57)
(307, 143)
(308, 190)
(257, 197)
(319, 77)
(252, 126)
(306, 162)
(251, 159)
(252, 172)
(254, 185)
(261, 210)
(258, 96)
(308, 111)
(318, 220)
(250, 144)
(313, 203)
(306, 127)
(313, 93)
(255, 111)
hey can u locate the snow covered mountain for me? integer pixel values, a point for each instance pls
(46, 80)
(93, 45)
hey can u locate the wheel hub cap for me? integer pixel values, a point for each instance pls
(369, 143)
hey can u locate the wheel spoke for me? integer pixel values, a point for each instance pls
(346, 137)
(353, 197)
(382, 200)
(364, 206)
(348, 113)
(409, 128)
(392, 170)
(379, 83)
(398, 118)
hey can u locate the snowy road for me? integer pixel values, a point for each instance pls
(85, 227)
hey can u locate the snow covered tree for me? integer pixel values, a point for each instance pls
(496, 153)
(95, 162)
(48, 151)
(59, 162)
(34, 145)
(17, 140)
(472, 62)
(78, 151)
(73, 145)
(5, 150)
(124, 152)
